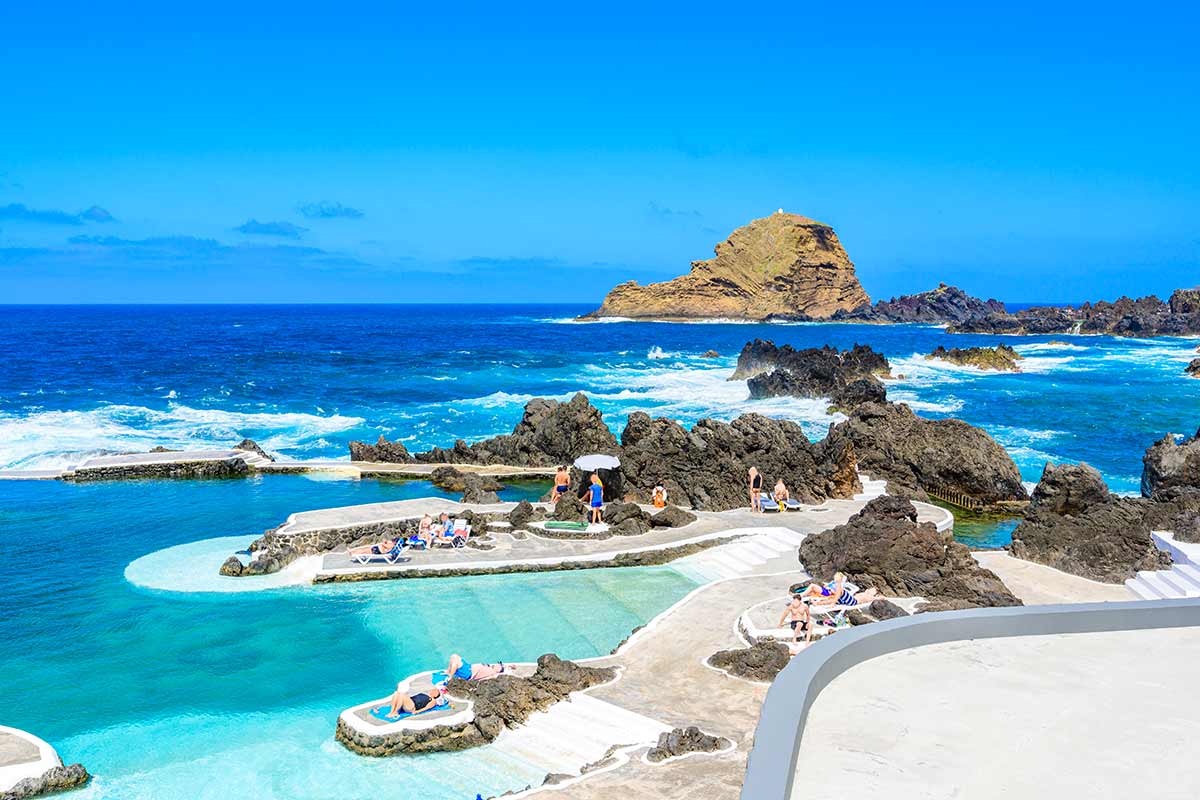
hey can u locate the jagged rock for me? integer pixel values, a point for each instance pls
(943, 455)
(55, 779)
(710, 354)
(1145, 316)
(382, 451)
(232, 567)
(569, 508)
(160, 449)
(1076, 525)
(524, 513)
(1168, 464)
(555, 778)
(762, 356)
(672, 517)
(782, 265)
(475, 490)
(251, 446)
(759, 662)
(883, 546)
(1001, 358)
(882, 609)
(626, 519)
(549, 433)
(856, 393)
(681, 741)
(707, 465)
(1193, 368)
(943, 304)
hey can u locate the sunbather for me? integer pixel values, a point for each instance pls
(457, 668)
(562, 484)
(799, 618)
(755, 490)
(404, 703)
(659, 497)
(781, 493)
(374, 549)
(841, 596)
(425, 530)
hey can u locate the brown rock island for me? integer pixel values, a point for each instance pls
(781, 266)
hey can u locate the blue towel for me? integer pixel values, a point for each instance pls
(380, 712)
(438, 678)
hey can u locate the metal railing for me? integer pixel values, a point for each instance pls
(771, 770)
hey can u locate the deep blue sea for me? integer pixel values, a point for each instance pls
(185, 693)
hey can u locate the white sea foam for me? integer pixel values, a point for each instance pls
(594, 321)
(61, 439)
(947, 405)
(1038, 347)
(657, 353)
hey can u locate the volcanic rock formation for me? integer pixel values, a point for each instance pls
(1001, 358)
(943, 304)
(782, 265)
(943, 456)
(883, 546)
(1076, 525)
(1145, 316)
(382, 451)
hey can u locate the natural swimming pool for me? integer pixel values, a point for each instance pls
(196, 694)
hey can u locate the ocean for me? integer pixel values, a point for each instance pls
(114, 648)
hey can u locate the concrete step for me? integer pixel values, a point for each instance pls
(1189, 574)
(1179, 585)
(1143, 591)
(1155, 583)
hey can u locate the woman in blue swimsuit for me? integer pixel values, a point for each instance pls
(597, 497)
(457, 668)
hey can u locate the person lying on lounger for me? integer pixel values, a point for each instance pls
(457, 668)
(374, 549)
(799, 618)
(419, 703)
(841, 596)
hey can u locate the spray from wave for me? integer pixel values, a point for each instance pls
(60, 439)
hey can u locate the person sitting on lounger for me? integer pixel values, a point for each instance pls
(419, 703)
(841, 596)
(781, 494)
(799, 618)
(374, 549)
(457, 668)
(562, 484)
(425, 530)
(755, 490)
(597, 498)
(659, 496)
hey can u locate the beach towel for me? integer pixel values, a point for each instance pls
(557, 525)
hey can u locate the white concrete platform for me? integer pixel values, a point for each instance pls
(23, 755)
(1098, 715)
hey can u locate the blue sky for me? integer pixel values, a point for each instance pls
(291, 153)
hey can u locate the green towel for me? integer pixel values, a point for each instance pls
(567, 526)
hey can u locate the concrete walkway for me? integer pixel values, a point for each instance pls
(23, 755)
(1102, 715)
(1037, 584)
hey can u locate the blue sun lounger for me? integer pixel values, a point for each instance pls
(393, 556)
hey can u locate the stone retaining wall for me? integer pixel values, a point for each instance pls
(234, 467)
(645, 558)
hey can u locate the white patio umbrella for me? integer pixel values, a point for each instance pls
(596, 461)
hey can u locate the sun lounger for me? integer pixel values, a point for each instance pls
(769, 505)
(458, 535)
(393, 556)
(792, 505)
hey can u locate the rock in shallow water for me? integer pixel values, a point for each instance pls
(760, 662)
(681, 741)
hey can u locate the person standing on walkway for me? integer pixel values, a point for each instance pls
(597, 498)
(755, 490)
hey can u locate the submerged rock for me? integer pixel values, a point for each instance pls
(681, 741)
(382, 451)
(1193, 368)
(1001, 358)
(941, 456)
(706, 467)
(760, 662)
(710, 354)
(782, 265)
(883, 546)
(1076, 525)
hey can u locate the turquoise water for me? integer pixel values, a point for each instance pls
(178, 695)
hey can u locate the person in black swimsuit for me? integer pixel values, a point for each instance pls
(755, 490)
(403, 703)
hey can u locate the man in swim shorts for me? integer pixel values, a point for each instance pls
(404, 703)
